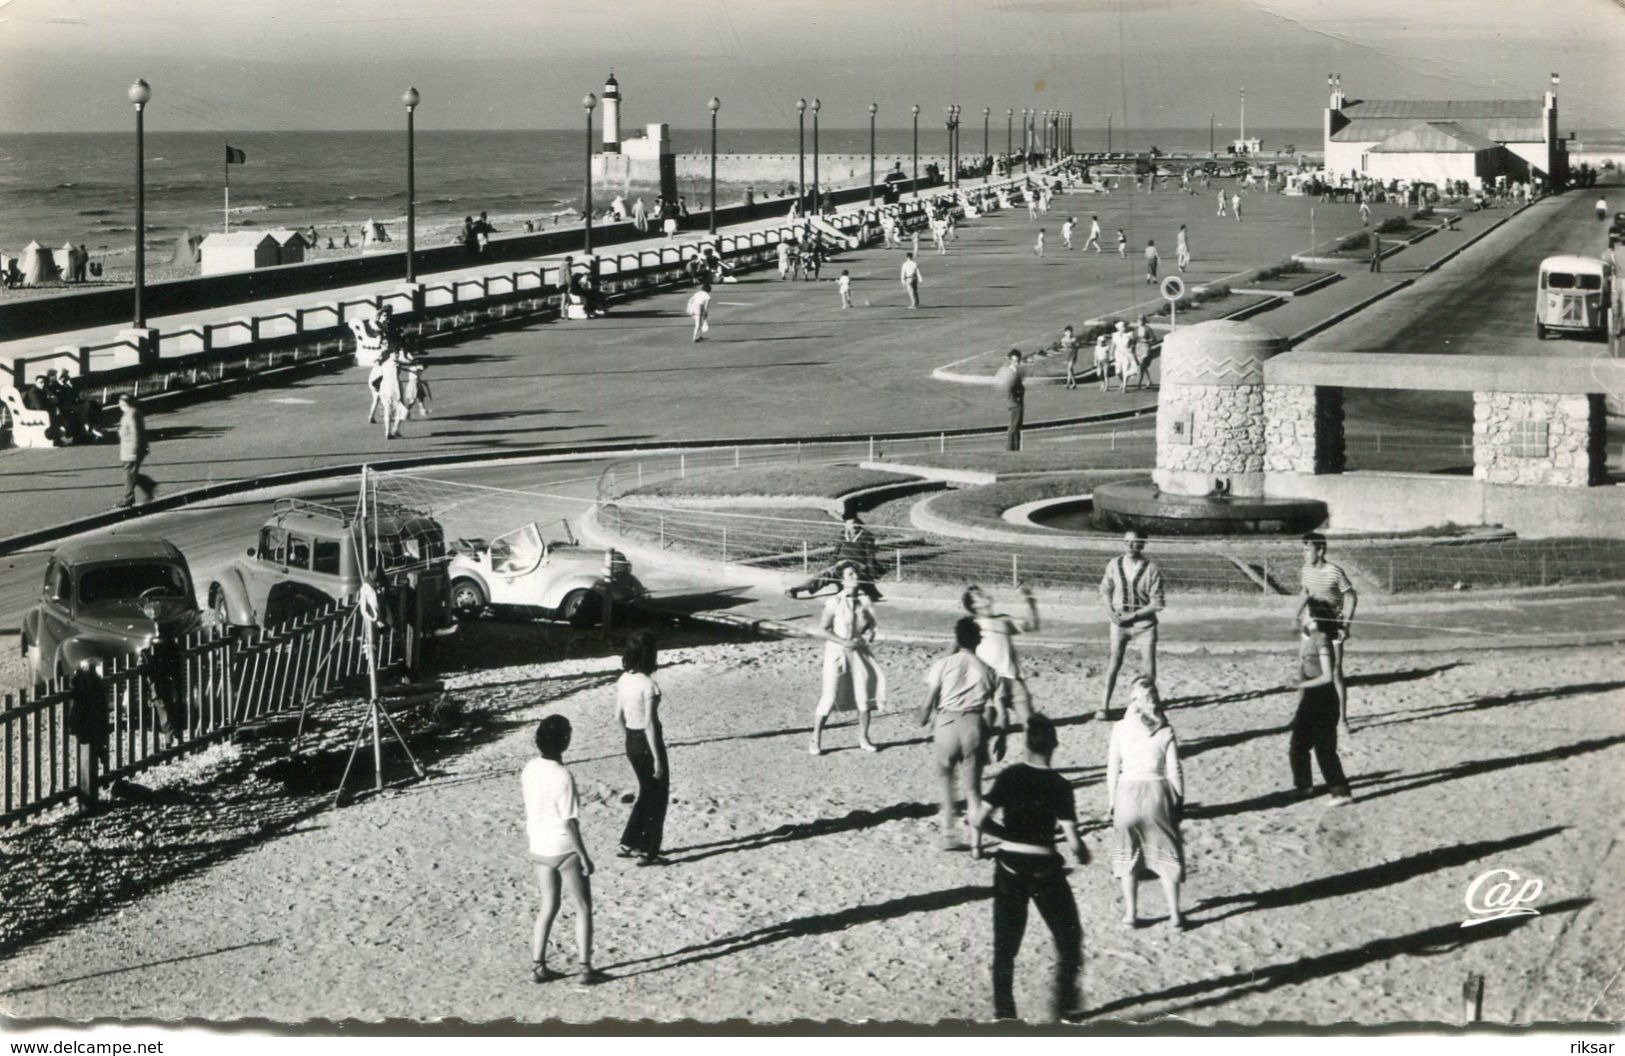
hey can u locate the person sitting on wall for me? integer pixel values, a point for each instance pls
(40, 397)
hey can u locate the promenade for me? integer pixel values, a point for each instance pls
(782, 359)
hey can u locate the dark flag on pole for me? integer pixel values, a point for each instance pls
(235, 156)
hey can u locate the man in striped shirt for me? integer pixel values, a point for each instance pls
(1132, 590)
(1330, 599)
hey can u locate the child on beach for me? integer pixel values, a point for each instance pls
(844, 284)
(1066, 232)
(1103, 361)
(557, 854)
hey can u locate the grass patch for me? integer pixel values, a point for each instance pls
(1050, 458)
(812, 481)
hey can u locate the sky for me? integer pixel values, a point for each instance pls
(225, 65)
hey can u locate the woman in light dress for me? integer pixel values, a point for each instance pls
(1145, 791)
(852, 680)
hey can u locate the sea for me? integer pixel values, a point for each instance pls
(61, 187)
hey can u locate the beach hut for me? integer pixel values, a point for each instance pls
(374, 239)
(39, 265)
(238, 251)
(186, 252)
(68, 261)
(291, 246)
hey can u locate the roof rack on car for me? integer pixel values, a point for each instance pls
(316, 509)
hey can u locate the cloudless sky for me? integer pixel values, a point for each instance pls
(226, 65)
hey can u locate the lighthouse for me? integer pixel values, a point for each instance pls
(612, 115)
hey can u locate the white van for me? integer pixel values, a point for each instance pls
(1575, 296)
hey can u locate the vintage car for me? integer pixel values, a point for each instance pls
(107, 598)
(1616, 230)
(1575, 295)
(309, 555)
(524, 572)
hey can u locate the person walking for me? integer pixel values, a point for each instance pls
(910, 278)
(1221, 201)
(1068, 346)
(960, 691)
(1145, 792)
(1094, 233)
(1067, 227)
(1122, 244)
(557, 853)
(1123, 358)
(637, 706)
(132, 452)
(1602, 210)
(388, 371)
(844, 285)
(852, 680)
(1235, 204)
(1365, 214)
(699, 308)
(1143, 338)
(1103, 360)
(1014, 385)
(1182, 248)
(1038, 246)
(1319, 717)
(1376, 253)
(1131, 589)
(998, 646)
(1329, 600)
(1032, 801)
(784, 260)
(1152, 259)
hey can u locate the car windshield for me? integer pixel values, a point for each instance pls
(130, 581)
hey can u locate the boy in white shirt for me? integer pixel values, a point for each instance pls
(699, 307)
(844, 284)
(1066, 232)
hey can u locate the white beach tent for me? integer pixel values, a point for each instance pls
(70, 254)
(238, 251)
(38, 265)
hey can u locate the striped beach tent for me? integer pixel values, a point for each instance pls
(38, 265)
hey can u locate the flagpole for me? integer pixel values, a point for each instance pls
(228, 188)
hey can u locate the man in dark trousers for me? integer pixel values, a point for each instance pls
(857, 548)
(1376, 253)
(1015, 392)
(1320, 714)
(132, 451)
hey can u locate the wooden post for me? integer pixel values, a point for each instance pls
(1472, 998)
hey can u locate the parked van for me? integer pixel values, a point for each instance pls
(1575, 296)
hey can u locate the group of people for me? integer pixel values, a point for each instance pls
(74, 417)
(395, 372)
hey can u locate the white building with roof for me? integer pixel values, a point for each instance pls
(238, 251)
(1434, 140)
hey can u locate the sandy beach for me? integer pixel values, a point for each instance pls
(805, 887)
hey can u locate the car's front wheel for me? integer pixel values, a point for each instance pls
(468, 598)
(582, 608)
(218, 606)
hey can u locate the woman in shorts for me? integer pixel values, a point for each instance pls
(1145, 791)
(557, 855)
(1068, 346)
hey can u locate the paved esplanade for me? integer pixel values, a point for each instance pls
(782, 358)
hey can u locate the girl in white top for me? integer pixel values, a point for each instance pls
(852, 680)
(557, 854)
(1145, 792)
(637, 706)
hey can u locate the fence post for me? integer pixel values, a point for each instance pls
(640, 474)
(1543, 570)
(682, 465)
(736, 457)
(662, 530)
(804, 556)
(1114, 440)
(1015, 570)
(1390, 575)
(942, 443)
(871, 449)
(899, 555)
(724, 546)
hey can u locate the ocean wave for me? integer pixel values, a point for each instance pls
(251, 208)
(96, 212)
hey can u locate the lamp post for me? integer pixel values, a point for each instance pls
(588, 102)
(411, 98)
(1026, 139)
(715, 104)
(915, 110)
(816, 106)
(1009, 137)
(987, 159)
(140, 93)
(1108, 133)
(873, 109)
(801, 152)
(1210, 118)
(953, 170)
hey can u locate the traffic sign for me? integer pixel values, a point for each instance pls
(1173, 288)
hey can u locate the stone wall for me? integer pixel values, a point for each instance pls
(1206, 432)
(1538, 438)
(1304, 429)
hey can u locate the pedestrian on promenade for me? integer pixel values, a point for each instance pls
(960, 691)
(1067, 228)
(1123, 357)
(1365, 214)
(1142, 352)
(132, 451)
(1318, 718)
(911, 279)
(387, 372)
(1152, 259)
(1131, 589)
(1094, 234)
(750, 203)
(1038, 246)
(844, 284)
(699, 308)
(1602, 208)
(856, 548)
(998, 646)
(784, 260)
(1376, 253)
(1182, 248)
(1103, 360)
(1122, 244)
(1221, 201)
(1032, 801)
(1235, 204)
(557, 854)
(640, 216)
(1329, 599)
(1068, 345)
(852, 680)
(1014, 385)
(1032, 203)
(1145, 792)
(637, 706)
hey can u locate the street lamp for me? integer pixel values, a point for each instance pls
(411, 98)
(816, 106)
(916, 112)
(953, 146)
(140, 93)
(801, 152)
(1026, 138)
(1009, 138)
(1108, 133)
(987, 159)
(873, 109)
(715, 104)
(589, 102)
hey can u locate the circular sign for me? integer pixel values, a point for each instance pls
(1173, 288)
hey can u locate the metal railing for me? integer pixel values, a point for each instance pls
(225, 679)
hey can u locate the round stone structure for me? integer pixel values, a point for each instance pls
(1210, 409)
